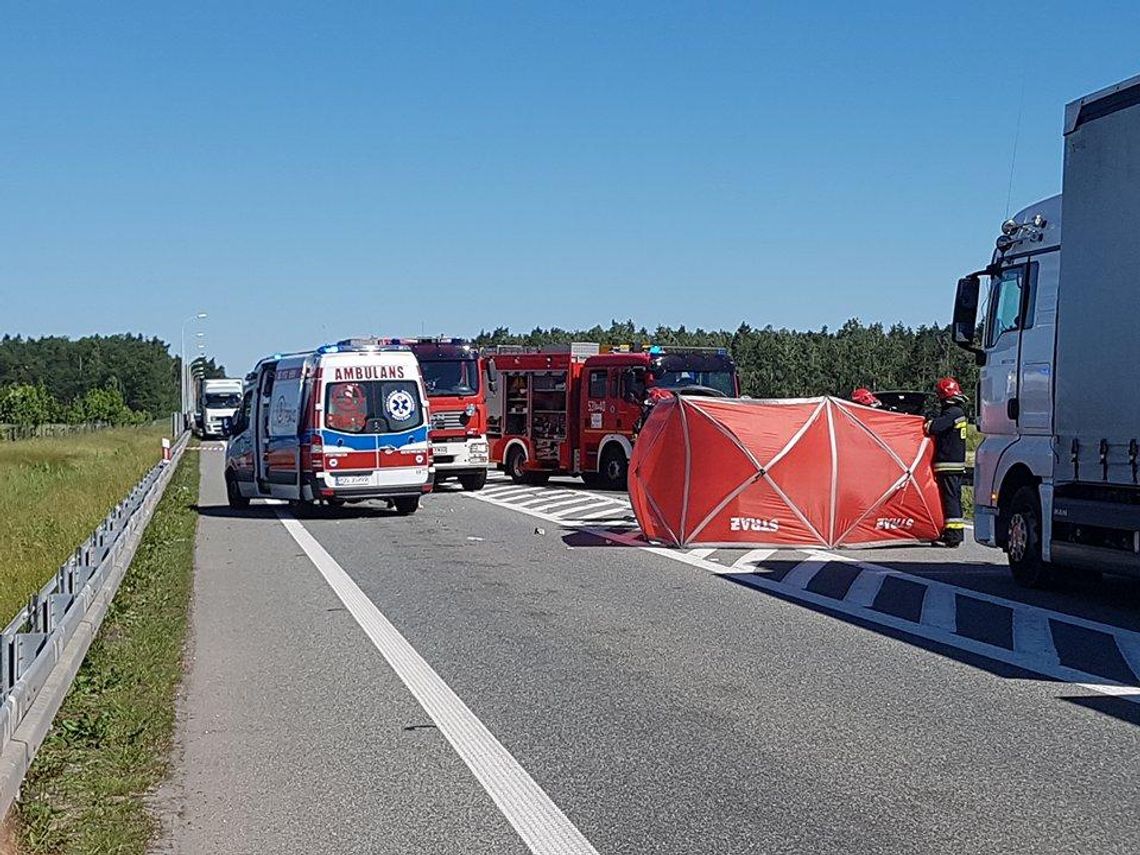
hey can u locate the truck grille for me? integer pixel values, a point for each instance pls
(447, 421)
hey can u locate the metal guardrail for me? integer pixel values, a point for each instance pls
(42, 649)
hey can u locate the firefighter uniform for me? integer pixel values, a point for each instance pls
(948, 430)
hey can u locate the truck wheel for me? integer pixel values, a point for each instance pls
(614, 468)
(406, 505)
(472, 483)
(233, 494)
(516, 465)
(1023, 540)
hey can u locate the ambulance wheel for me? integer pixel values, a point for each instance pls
(406, 505)
(473, 483)
(1023, 541)
(516, 465)
(614, 468)
(233, 494)
(335, 503)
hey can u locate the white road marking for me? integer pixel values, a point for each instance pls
(701, 553)
(752, 559)
(940, 608)
(548, 495)
(865, 588)
(1033, 638)
(541, 824)
(801, 575)
(512, 492)
(1130, 652)
(562, 505)
(1034, 647)
(604, 512)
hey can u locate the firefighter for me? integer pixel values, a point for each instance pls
(948, 429)
(865, 397)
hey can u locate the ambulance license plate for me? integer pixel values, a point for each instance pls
(353, 480)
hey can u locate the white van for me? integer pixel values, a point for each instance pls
(344, 423)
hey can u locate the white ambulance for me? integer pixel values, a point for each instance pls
(347, 422)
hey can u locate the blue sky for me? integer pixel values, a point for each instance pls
(307, 171)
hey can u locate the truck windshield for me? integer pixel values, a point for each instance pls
(722, 381)
(451, 377)
(373, 406)
(227, 401)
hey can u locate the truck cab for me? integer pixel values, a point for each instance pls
(218, 400)
(577, 409)
(453, 378)
(1010, 324)
(1057, 476)
(616, 389)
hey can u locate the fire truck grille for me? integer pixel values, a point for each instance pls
(447, 421)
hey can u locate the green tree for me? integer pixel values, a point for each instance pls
(27, 405)
(104, 406)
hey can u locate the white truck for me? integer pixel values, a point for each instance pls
(218, 400)
(1057, 476)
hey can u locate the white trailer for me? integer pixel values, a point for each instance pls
(1056, 476)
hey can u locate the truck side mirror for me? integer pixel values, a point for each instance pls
(964, 326)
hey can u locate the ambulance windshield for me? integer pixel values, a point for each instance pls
(451, 377)
(373, 406)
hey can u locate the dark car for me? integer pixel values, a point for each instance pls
(911, 403)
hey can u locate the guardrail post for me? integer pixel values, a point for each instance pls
(27, 645)
(7, 665)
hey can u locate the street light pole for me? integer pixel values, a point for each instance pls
(183, 370)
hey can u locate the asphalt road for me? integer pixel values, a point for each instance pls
(658, 703)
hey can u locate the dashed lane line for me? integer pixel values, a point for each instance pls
(541, 824)
(1034, 647)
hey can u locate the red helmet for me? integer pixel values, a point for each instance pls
(865, 397)
(947, 389)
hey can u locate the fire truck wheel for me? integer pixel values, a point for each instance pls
(472, 483)
(406, 505)
(516, 462)
(614, 468)
(233, 495)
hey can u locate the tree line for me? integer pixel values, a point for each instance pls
(783, 363)
(125, 378)
(114, 379)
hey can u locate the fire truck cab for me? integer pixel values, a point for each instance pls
(453, 378)
(344, 423)
(575, 410)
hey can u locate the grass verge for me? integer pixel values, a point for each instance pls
(110, 742)
(53, 492)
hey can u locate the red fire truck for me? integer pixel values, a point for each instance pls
(453, 377)
(574, 410)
